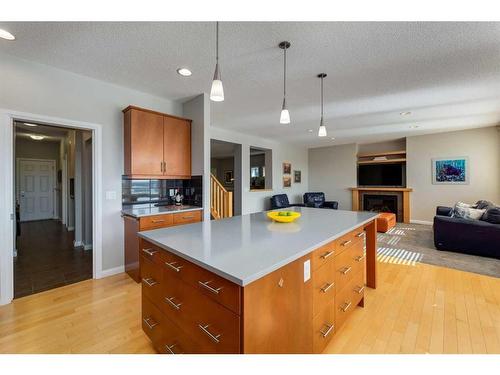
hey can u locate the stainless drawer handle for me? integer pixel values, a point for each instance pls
(345, 243)
(360, 234)
(346, 306)
(329, 328)
(208, 287)
(150, 252)
(359, 289)
(147, 322)
(327, 254)
(149, 281)
(327, 287)
(345, 270)
(171, 302)
(188, 217)
(359, 258)
(158, 221)
(204, 328)
(172, 266)
(169, 348)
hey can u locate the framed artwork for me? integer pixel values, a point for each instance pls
(287, 167)
(287, 181)
(228, 177)
(297, 176)
(452, 171)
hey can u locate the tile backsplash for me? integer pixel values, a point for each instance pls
(148, 193)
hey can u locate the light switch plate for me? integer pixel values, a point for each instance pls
(307, 270)
(110, 195)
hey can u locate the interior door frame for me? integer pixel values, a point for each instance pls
(7, 194)
(54, 181)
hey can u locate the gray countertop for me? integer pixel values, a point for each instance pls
(245, 248)
(141, 212)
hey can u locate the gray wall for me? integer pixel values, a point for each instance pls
(26, 148)
(482, 146)
(332, 170)
(43, 90)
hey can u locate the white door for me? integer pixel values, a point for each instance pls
(36, 189)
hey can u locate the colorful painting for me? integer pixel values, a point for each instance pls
(287, 181)
(450, 170)
(297, 177)
(287, 168)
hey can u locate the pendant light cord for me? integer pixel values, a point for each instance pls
(321, 97)
(217, 42)
(284, 74)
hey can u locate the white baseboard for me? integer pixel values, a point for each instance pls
(87, 247)
(111, 272)
(424, 222)
(77, 243)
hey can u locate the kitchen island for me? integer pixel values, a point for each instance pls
(249, 285)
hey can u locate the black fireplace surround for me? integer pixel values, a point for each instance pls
(380, 203)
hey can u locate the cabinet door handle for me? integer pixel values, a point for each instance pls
(345, 243)
(359, 258)
(329, 328)
(359, 289)
(327, 287)
(161, 166)
(158, 221)
(346, 306)
(164, 166)
(208, 287)
(147, 322)
(171, 302)
(327, 254)
(204, 328)
(360, 234)
(345, 270)
(150, 252)
(149, 281)
(172, 266)
(169, 348)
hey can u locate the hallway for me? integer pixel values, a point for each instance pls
(46, 258)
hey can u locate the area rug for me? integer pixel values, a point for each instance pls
(412, 243)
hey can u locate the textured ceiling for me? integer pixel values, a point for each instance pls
(447, 74)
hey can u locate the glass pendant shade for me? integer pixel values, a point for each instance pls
(322, 129)
(217, 91)
(285, 115)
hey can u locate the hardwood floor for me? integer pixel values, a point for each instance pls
(46, 258)
(417, 308)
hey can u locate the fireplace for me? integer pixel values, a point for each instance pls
(380, 203)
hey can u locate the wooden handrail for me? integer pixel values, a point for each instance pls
(221, 200)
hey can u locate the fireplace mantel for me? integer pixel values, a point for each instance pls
(404, 192)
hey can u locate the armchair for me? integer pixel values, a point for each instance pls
(281, 201)
(318, 200)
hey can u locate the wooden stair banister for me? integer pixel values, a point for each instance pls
(221, 200)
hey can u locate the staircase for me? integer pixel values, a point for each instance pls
(221, 200)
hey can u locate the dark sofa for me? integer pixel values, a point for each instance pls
(476, 237)
(318, 200)
(281, 201)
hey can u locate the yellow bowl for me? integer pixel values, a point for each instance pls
(274, 215)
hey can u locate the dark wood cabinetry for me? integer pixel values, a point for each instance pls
(156, 145)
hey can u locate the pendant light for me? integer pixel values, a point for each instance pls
(217, 91)
(322, 127)
(285, 115)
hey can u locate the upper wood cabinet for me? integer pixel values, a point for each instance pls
(156, 145)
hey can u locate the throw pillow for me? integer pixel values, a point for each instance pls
(492, 215)
(482, 204)
(467, 212)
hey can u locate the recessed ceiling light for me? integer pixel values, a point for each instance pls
(185, 72)
(310, 130)
(413, 126)
(29, 124)
(37, 137)
(332, 138)
(407, 113)
(4, 34)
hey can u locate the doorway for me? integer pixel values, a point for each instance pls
(53, 200)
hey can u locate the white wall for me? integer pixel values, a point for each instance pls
(259, 201)
(42, 90)
(332, 170)
(482, 146)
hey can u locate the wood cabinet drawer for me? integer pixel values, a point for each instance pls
(151, 278)
(175, 340)
(215, 328)
(186, 217)
(323, 328)
(324, 287)
(155, 222)
(209, 284)
(348, 263)
(152, 322)
(347, 240)
(150, 252)
(323, 255)
(349, 298)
